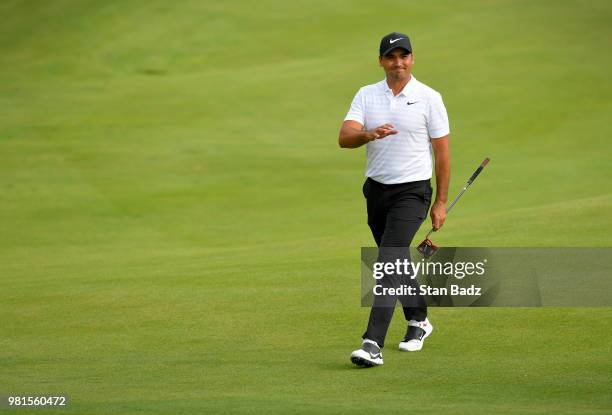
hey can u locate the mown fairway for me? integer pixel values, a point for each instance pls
(180, 232)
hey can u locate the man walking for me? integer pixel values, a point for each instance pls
(401, 121)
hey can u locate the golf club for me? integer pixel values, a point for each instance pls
(427, 248)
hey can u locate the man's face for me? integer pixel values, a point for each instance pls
(397, 64)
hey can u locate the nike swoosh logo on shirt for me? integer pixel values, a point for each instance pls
(410, 103)
(395, 40)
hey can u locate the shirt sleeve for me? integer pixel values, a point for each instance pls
(357, 110)
(437, 118)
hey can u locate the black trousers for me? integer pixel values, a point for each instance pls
(395, 213)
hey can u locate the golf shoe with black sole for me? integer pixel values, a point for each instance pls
(368, 356)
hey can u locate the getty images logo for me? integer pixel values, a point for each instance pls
(458, 270)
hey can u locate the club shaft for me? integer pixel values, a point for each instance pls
(469, 182)
(448, 209)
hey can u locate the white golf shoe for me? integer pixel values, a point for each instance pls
(417, 332)
(369, 355)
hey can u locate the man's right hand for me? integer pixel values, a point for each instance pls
(352, 134)
(380, 132)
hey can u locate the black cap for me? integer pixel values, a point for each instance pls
(394, 40)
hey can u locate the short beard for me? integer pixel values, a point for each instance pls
(396, 77)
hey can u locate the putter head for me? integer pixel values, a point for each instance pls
(427, 248)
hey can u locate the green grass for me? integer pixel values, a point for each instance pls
(181, 232)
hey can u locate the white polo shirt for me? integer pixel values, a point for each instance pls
(417, 113)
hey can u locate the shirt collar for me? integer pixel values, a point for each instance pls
(409, 87)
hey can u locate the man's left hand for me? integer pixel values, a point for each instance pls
(438, 215)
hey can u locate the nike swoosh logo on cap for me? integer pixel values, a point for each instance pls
(395, 40)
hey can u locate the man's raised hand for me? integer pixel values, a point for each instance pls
(380, 132)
